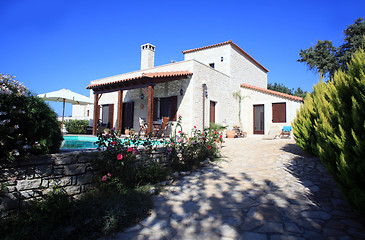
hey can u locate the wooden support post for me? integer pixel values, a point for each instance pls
(96, 113)
(151, 91)
(120, 111)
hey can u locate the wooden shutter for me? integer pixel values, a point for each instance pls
(155, 109)
(128, 112)
(173, 105)
(279, 112)
(212, 112)
(111, 116)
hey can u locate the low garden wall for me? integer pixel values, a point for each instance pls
(71, 172)
(37, 176)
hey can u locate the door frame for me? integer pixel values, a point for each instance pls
(258, 131)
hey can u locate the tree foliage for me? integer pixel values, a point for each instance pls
(279, 87)
(326, 59)
(27, 123)
(331, 124)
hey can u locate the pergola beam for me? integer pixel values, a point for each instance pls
(120, 111)
(96, 113)
(151, 92)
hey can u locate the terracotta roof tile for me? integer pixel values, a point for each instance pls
(224, 43)
(143, 75)
(284, 95)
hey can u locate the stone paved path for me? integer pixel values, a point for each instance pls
(261, 190)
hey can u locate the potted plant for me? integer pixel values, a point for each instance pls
(132, 131)
(106, 130)
(230, 133)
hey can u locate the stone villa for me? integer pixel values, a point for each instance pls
(200, 89)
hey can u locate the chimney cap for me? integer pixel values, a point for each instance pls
(148, 46)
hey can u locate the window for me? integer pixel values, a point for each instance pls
(211, 65)
(168, 108)
(279, 112)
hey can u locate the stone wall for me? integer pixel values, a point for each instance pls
(71, 171)
(35, 177)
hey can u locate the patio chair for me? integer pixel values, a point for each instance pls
(286, 132)
(162, 130)
(142, 126)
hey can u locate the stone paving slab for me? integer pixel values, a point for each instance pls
(260, 190)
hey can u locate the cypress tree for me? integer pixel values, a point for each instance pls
(331, 124)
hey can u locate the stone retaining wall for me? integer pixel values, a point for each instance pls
(71, 171)
(37, 176)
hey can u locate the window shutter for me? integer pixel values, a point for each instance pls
(278, 112)
(173, 102)
(111, 116)
(155, 109)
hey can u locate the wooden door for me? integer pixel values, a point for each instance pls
(212, 112)
(128, 112)
(258, 119)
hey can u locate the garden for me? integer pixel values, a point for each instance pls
(127, 173)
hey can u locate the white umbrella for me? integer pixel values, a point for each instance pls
(66, 96)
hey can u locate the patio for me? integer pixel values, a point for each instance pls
(261, 190)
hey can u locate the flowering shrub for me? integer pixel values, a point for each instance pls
(27, 124)
(124, 165)
(186, 152)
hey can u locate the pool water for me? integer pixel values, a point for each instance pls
(79, 142)
(87, 142)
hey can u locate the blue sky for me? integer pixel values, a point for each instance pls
(49, 45)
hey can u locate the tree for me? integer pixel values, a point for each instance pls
(331, 124)
(279, 87)
(326, 59)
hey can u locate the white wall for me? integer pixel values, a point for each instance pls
(213, 55)
(243, 70)
(253, 97)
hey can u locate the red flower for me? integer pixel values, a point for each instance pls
(220, 136)
(130, 149)
(194, 126)
(215, 132)
(119, 156)
(179, 132)
(113, 143)
(209, 147)
(103, 178)
(203, 139)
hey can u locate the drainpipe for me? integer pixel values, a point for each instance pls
(204, 86)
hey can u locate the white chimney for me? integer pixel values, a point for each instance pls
(147, 56)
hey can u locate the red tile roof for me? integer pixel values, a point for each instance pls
(284, 95)
(233, 44)
(143, 75)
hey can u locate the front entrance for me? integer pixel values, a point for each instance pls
(258, 119)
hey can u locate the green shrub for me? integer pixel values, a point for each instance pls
(76, 126)
(331, 124)
(58, 216)
(27, 123)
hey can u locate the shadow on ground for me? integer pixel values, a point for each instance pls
(295, 199)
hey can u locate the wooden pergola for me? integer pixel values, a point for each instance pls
(144, 81)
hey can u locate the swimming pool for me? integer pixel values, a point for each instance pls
(88, 142)
(79, 142)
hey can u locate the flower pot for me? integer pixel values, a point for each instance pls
(126, 132)
(230, 134)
